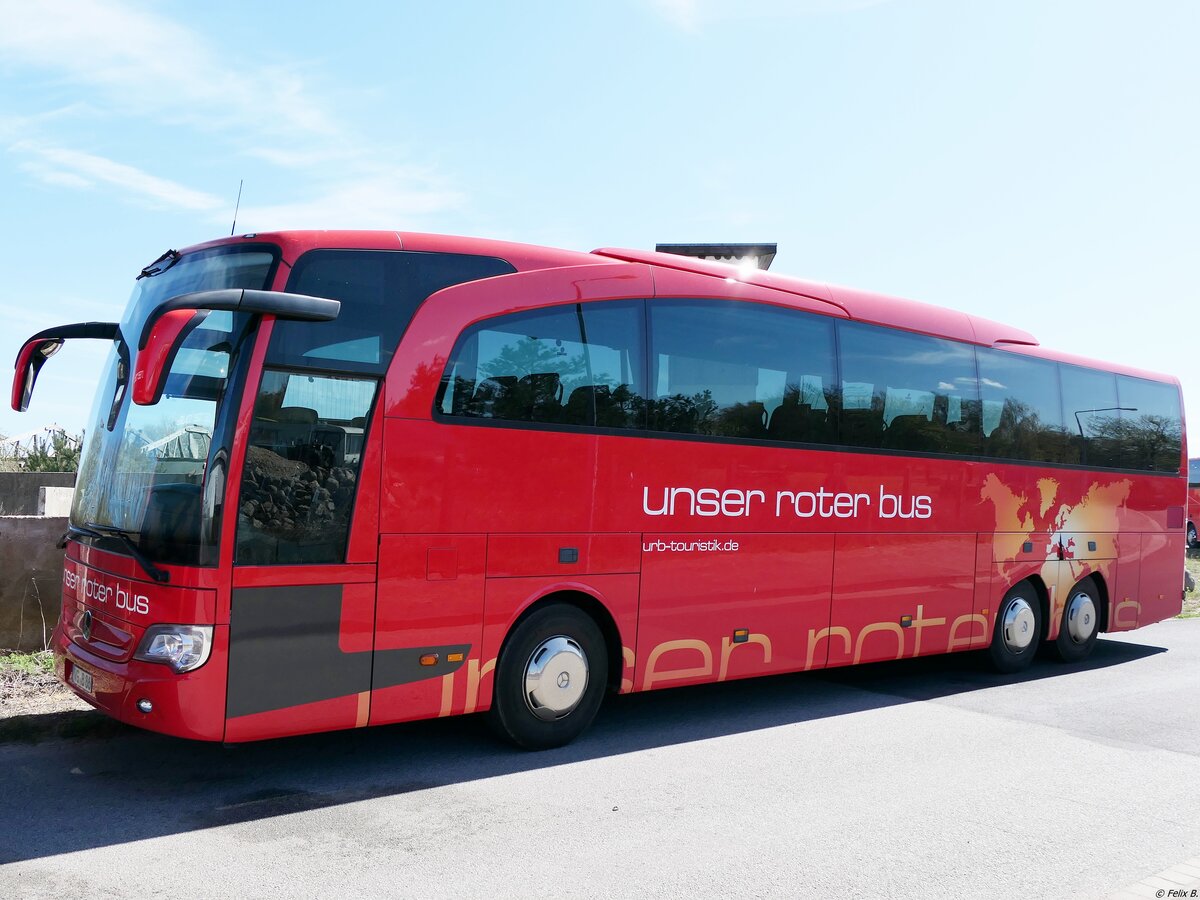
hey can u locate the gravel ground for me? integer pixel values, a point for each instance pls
(29, 691)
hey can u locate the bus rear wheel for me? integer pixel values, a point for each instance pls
(550, 678)
(1080, 625)
(1018, 629)
(1192, 541)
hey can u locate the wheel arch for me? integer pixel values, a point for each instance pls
(1043, 595)
(595, 609)
(1102, 601)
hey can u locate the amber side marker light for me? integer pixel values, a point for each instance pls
(741, 635)
(429, 659)
(454, 657)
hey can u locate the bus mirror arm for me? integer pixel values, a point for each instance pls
(39, 348)
(169, 323)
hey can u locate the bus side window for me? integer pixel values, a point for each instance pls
(1152, 427)
(1092, 414)
(908, 392)
(520, 368)
(1022, 409)
(740, 370)
(617, 363)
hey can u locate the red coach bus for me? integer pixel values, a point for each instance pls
(343, 479)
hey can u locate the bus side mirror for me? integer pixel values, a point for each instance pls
(169, 323)
(43, 345)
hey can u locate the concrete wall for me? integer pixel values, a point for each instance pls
(55, 501)
(19, 490)
(30, 580)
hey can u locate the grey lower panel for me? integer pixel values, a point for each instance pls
(283, 652)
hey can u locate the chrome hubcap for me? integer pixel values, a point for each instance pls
(1019, 625)
(1081, 618)
(555, 678)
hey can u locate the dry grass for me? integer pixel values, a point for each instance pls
(1191, 600)
(28, 686)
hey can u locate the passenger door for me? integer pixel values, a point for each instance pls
(303, 601)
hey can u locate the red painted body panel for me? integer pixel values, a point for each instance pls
(862, 305)
(674, 283)
(123, 606)
(431, 591)
(775, 586)
(517, 556)
(153, 359)
(127, 567)
(21, 374)
(879, 579)
(1160, 590)
(134, 599)
(363, 543)
(440, 477)
(190, 705)
(308, 718)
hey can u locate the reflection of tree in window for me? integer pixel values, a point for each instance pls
(687, 415)
(530, 355)
(301, 468)
(1143, 442)
(1020, 433)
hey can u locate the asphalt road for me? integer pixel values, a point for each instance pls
(928, 778)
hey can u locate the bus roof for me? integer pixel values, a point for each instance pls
(864, 306)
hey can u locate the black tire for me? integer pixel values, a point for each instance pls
(1193, 540)
(566, 634)
(1022, 605)
(1077, 638)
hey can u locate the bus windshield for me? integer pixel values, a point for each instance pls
(156, 473)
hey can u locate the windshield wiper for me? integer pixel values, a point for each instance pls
(91, 529)
(160, 265)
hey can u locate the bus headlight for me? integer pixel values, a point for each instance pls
(182, 647)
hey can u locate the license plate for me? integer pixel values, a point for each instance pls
(82, 679)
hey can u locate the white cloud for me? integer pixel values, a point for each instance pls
(381, 200)
(72, 168)
(53, 176)
(131, 61)
(142, 62)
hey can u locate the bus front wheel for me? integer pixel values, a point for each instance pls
(1080, 625)
(550, 678)
(1018, 629)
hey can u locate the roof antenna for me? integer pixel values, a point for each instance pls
(236, 207)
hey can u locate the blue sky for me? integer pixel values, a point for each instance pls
(1033, 162)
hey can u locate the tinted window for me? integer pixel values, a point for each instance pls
(616, 353)
(379, 290)
(537, 367)
(1152, 431)
(1022, 409)
(301, 468)
(1092, 415)
(740, 370)
(905, 391)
